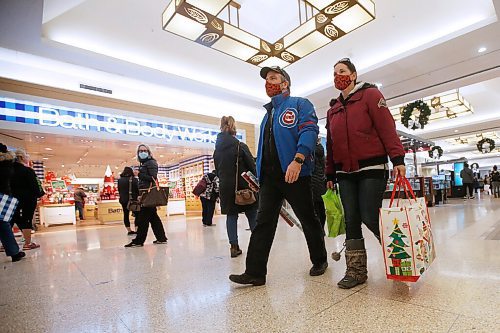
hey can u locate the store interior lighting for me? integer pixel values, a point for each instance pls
(198, 20)
(472, 139)
(447, 105)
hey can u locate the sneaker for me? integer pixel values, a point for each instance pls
(132, 233)
(319, 269)
(20, 255)
(132, 244)
(466, 197)
(473, 197)
(211, 225)
(248, 279)
(160, 242)
(30, 246)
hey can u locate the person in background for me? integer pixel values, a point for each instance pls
(361, 134)
(127, 183)
(79, 196)
(288, 135)
(475, 184)
(318, 182)
(495, 181)
(148, 173)
(225, 157)
(468, 181)
(209, 197)
(9, 244)
(24, 186)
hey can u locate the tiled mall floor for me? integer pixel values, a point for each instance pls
(85, 281)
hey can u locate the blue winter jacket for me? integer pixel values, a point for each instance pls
(295, 130)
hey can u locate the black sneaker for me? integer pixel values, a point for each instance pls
(132, 233)
(20, 255)
(211, 225)
(248, 279)
(318, 269)
(132, 244)
(160, 242)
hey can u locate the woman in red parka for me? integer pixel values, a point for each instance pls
(361, 134)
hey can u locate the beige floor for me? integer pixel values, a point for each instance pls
(85, 281)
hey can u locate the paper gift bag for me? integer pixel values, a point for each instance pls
(406, 235)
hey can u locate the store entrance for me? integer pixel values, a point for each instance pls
(65, 163)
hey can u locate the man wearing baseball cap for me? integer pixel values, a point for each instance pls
(288, 136)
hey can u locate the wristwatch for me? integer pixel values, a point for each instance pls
(298, 160)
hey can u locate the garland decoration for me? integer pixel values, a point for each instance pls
(486, 145)
(421, 112)
(432, 153)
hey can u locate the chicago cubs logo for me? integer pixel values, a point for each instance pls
(288, 118)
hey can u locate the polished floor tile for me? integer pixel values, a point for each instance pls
(84, 280)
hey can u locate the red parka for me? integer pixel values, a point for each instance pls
(361, 132)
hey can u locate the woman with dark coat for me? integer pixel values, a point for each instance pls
(25, 188)
(124, 187)
(226, 151)
(6, 236)
(148, 173)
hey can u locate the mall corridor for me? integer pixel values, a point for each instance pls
(86, 281)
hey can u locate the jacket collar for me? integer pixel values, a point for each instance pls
(354, 95)
(277, 100)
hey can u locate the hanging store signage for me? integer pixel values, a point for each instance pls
(89, 121)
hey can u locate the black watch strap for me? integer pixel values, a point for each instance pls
(298, 160)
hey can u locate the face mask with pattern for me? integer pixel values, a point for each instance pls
(273, 89)
(342, 81)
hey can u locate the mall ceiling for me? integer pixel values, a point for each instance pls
(414, 48)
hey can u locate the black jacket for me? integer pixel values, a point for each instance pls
(6, 172)
(147, 171)
(318, 180)
(226, 148)
(24, 184)
(123, 189)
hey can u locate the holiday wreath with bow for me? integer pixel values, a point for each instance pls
(432, 152)
(486, 145)
(420, 112)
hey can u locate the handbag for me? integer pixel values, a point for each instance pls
(8, 205)
(200, 187)
(242, 197)
(132, 205)
(154, 196)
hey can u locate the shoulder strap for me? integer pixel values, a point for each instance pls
(129, 188)
(237, 162)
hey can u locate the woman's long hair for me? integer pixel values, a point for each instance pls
(127, 172)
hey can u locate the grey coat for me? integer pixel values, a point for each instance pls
(467, 175)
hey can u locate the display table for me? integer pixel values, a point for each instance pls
(176, 207)
(57, 214)
(89, 212)
(109, 210)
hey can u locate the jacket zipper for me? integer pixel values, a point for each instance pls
(347, 131)
(271, 139)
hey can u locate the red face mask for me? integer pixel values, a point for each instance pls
(273, 89)
(342, 81)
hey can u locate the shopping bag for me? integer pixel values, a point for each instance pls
(155, 196)
(334, 213)
(8, 205)
(406, 235)
(200, 187)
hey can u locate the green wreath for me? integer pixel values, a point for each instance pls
(423, 119)
(439, 152)
(482, 142)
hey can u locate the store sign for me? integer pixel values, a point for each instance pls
(90, 121)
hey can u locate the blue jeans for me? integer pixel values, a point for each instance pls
(362, 199)
(8, 240)
(232, 225)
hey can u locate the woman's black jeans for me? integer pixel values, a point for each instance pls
(362, 199)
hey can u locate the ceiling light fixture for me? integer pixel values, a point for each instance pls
(197, 20)
(447, 105)
(481, 49)
(49, 149)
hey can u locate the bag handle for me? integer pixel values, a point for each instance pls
(156, 184)
(237, 164)
(402, 183)
(130, 188)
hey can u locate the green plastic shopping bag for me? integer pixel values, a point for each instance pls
(334, 213)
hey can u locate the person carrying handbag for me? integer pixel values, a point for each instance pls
(129, 191)
(148, 173)
(209, 197)
(232, 158)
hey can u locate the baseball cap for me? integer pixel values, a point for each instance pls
(277, 69)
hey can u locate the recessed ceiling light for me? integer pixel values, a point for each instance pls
(48, 148)
(45, 158)
(62, 165)
(124, 144)
(481, 49)
(162, 156)
(456, 131)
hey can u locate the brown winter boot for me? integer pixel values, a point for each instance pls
(355, 257)
(235, 250)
